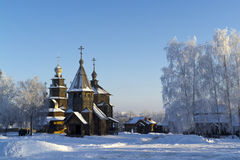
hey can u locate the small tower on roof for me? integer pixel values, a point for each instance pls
(101, 96)
(58, 89)
(98, 90)
(94, 80)
(94, 74)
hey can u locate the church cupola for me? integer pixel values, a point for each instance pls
(58, 71)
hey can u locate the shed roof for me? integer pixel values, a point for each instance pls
(112, 119)
(134, 120)
(78, 115)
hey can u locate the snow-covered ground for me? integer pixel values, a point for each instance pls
(122, 146)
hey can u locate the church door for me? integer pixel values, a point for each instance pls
(78, 129)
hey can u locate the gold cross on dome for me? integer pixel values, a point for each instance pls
(58, 59)
(81, 49)
(94, 60)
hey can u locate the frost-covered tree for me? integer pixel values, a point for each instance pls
(32, 101)
(235, 51)
(8, 109)
(201, 78)
(222, 50)
(210, 81)
(179, 82)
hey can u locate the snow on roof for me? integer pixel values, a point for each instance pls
(57, 86)
(99, 113)
(86, 110)
(57, 78)
(57, 97)
(52, 118)
(101, 104)
(54, 102)
(81, 90)
(80, 82)
(134, 120)
(69, 110)
(80, 117)
(55, 110)
(150, 121)
(112, 119)
(62, 107)
(99, 90)
(141, 124)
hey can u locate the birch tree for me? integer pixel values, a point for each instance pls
(32, 99)
(222, 50)
(179, 80)
(8, 109)
(203, 78)
(234, 43)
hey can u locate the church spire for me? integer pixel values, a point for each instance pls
(80, 82)
(94, 74)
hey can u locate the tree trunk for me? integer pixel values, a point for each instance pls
(239, 121)
(215, 97)
(193, 98)
(186, 99)
(238, 84)
(228, 96)
(31, 125)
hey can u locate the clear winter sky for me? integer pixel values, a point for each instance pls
(126, 37)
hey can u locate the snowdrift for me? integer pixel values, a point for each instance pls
(122, 146)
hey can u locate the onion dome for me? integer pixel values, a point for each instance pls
(94, 75)
(58, 71)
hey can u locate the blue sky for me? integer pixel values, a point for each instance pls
(126, 37)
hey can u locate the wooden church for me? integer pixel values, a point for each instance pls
(88, 110)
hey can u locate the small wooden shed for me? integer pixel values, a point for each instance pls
(76, 124)
(140, 125)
